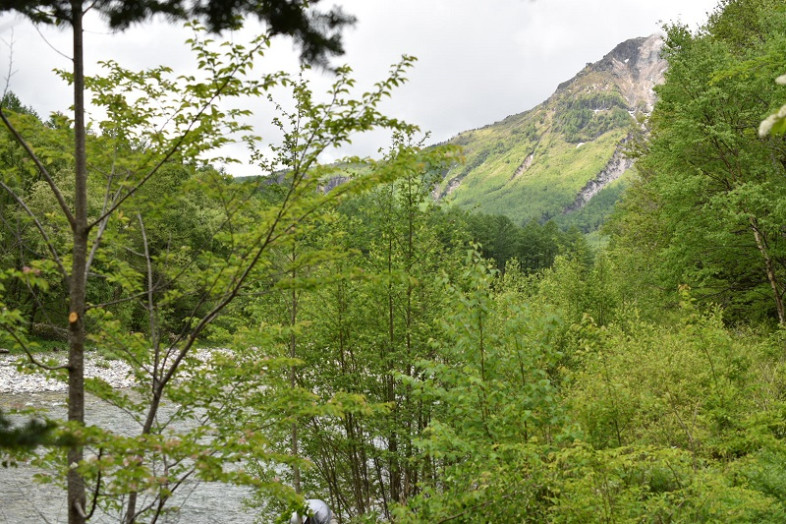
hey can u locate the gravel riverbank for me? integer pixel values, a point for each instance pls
(115, 372)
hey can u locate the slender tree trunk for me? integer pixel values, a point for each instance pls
(156, 343)
(78, 281)
(293, 369)
(761, 243)
(351, 426)
(393, 464)
(410, 470)
(484, 406)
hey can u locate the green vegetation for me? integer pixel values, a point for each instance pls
(533, 247)
(409, 361)
(531, 166)
(595, 213)
(708, 204)
(586, 117)
(541, 192)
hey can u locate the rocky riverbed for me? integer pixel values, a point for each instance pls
(14, 380)
(115, 372)
(24, 501)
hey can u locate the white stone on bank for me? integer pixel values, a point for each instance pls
(114, 372)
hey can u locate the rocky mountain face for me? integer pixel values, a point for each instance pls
(564, 159)
(636, 67)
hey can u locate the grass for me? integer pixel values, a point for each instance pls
(492, 183)
(557, 173)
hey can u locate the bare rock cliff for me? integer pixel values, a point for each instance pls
(635, 66)
(638, 68)
(614, 169)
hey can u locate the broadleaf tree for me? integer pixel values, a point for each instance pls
(197, 124)
(709, 198)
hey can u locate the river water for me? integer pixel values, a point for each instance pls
(23, 501)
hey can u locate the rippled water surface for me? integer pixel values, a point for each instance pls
(23, 501)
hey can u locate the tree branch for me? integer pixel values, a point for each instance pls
(180, 140)
(154, 335)
(102, 223)
(40, 228)
(98, 487)
(29, 354)
(41, 169)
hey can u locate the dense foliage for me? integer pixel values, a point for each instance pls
(709, 203)
(585, 117)
(407, 361)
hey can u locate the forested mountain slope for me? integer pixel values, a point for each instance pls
(410, 362)
(561, 160)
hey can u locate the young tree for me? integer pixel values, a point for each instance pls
(495, 415)
(197, 126)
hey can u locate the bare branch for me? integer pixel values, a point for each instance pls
(47, 42)
(103, 223)
(90, 7)
(117, 301)
(151, 307)
(10, 63)
(40, 228)
(97, 491)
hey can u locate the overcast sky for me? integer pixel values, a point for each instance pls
(479, 60)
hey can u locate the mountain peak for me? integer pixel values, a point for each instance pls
(639, 67)
(562, 159)
(643, 50)
(636, 67)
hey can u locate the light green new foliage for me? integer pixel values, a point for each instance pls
(354, 309)
(370, 356)
(493, 380)
(651, 484)
(159, 280)
(672, 419)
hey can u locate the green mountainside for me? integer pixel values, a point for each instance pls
(563, 159)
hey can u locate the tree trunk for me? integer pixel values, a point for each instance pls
(761, 243)
(78, 280)
(393, 463)
(293, 369)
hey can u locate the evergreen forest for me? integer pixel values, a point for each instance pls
(329, 330)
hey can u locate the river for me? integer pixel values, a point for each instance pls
(23, 501)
